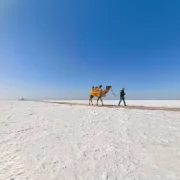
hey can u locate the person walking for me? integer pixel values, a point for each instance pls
(122, 94)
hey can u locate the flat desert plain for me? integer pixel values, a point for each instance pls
(49, 141)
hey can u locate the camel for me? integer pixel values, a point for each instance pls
(98, 92)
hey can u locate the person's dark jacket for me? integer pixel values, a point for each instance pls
(122, 94)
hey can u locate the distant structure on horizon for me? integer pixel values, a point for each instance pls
(22, 99)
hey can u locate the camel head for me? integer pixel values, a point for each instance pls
(107, 89)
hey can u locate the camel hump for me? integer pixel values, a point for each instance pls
(96, 92)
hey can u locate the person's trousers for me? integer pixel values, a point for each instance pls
(122, 99)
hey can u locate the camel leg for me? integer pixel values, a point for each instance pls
(101, 101)
(97, 101)
(90, 100)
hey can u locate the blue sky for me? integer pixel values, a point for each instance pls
(58, 49)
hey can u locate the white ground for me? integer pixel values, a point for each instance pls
(45, 141)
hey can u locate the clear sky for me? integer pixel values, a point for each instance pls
(60, 48)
